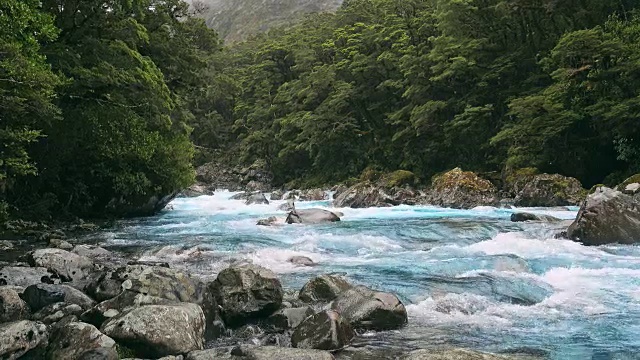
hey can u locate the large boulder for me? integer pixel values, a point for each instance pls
(21, 338)
(288, 206)
(607, 216)
(311, 216)
(370, 310)
(461, 190)
(276, 195)
(77, 341)
(12, 307)
(245, 293)
(546, 190)
(159, 330)
(125, 301)
(452, 354)
(363, 195)
(313, 195)
(40, 295)
(323, 288)
(326, 330)
(25, 276)
(279, 353)
(257, 198)
(70, 267)
(197, 189)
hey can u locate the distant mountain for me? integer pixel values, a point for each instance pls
(234, 20)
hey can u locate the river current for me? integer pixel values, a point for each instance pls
(469, 278)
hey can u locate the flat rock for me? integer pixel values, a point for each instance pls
(311, 216)
(159, 330)
(25, 276)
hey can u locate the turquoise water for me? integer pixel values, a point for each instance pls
(470, 278)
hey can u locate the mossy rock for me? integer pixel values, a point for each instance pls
(595, 187)
(398, 178)
(631, 180)
(458, 178)
(462, 190)
(370, 174)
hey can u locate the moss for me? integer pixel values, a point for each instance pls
(125, 352)
(370, 174)
(398, 178)
(594, 188)
(520, 174)
(633, 179)
(459, 178)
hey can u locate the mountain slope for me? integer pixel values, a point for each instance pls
(235, 20)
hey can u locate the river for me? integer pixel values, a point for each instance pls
(469, 278)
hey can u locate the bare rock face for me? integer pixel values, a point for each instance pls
(326, 330)
(370, 310)
(21, 338)
(461, 190)
(246, 292)
(155, 331)
(77, 340)
(607, 216)
(323, 288)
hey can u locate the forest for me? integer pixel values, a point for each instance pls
(107, 103)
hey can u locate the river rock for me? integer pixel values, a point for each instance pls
(311, 216)
(12, 307)
(94, 252)
(55, 312)
(313, 195)
(363, 195)
(461, 190)
(452, 354)
(197, 189)
(211, 354)
(276, 195)
(246, 292)
(78, 341)
(159, 330)
(25, 276)
(280, 353)
(326, 330)
(323, 288)
(124, 302)
(607, 216)
(257, 198)
(549, 190)
(40, 295)
(60, 244)
(301, 261)
(524, 216)
(288, 318)
(268, 221)
(288, 206)
(370, 310)
(67, 265)
(21, 338)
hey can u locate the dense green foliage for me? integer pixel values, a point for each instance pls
(429, 85)
(102, 100)
(97, 97)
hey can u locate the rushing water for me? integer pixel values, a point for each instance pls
(470, 278)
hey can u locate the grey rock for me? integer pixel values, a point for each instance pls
(524, 216)
(12, 307)
(22, 337)
(288, 318)
(77, 340)
(607, 216)
(6, 245)
(323, 288)
(371, 310)
(67, 265)
(197, 189)
(60, 244)
(363, 195)
(311, 216)
(453, 354)
(125, 301)
(326, 330)
(280, 353)
(211, 354)
(276, 195)
(549, 190)
(159, 330)
(313, 195)
(93, 252)
(55, 312)
(246, 292)
(301, 261)
(288, 206)
(25, 276)
(257, 198)
(40, 295)
(267, 222)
